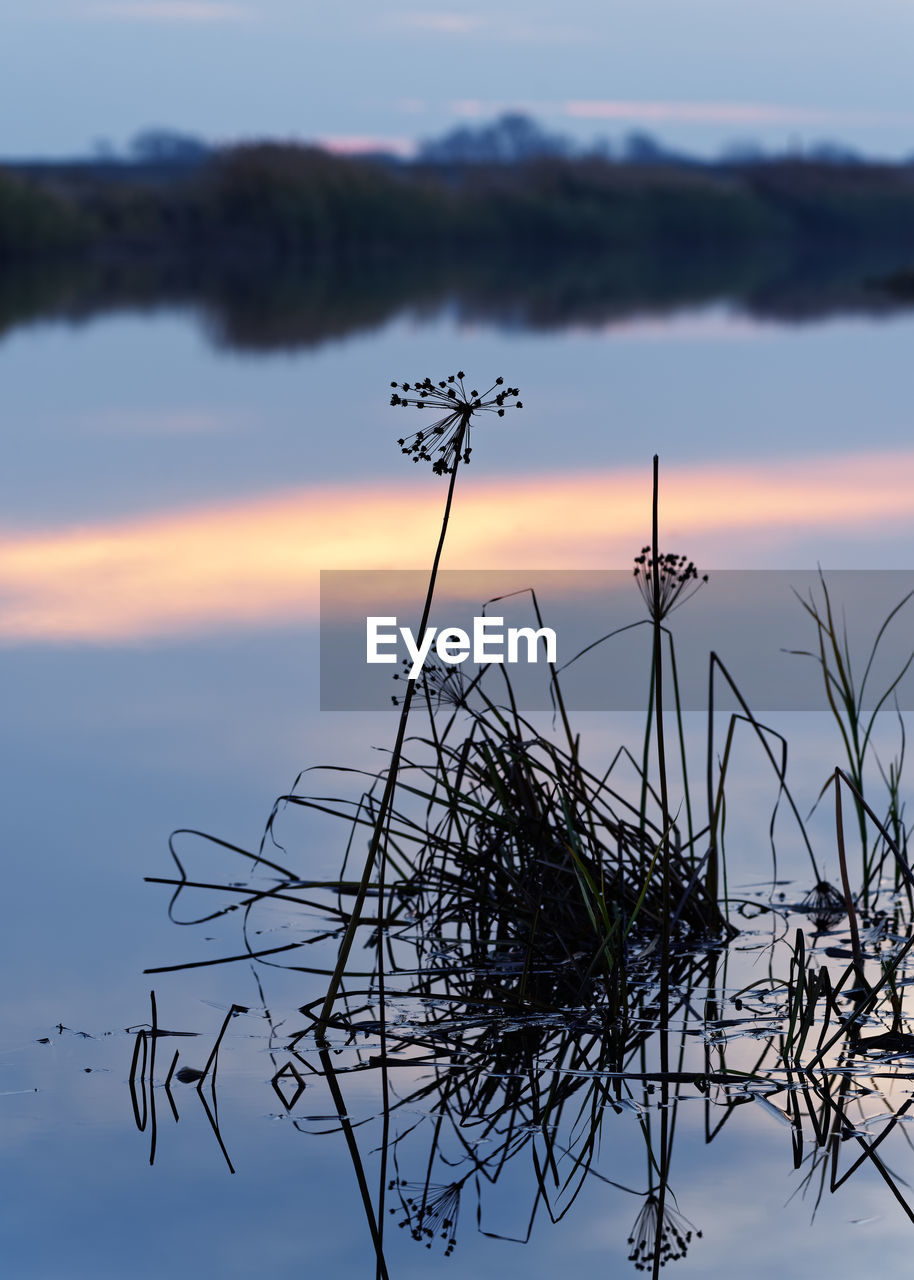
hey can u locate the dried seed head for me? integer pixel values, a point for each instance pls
(447, 442)
(674, 574)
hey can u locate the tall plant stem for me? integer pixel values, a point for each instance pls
(658, 707)
(665, 853)
(352, 1144)
(646, 756)
(390, 785)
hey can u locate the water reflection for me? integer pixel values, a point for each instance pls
(125, 755)
(255, 562)
(143, 1079)
(523, 1013)
(546, 1104)
(259, 306)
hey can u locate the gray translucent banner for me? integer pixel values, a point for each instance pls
(750, 618)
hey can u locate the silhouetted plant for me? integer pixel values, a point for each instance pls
(669, 588)
(660, 1232)
(447, 441)
(453, 431)
(549, 933)
(846, 698)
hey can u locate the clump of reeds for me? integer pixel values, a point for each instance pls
(846, 694)
(526, 858)
(548, 921)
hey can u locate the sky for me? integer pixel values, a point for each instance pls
(76, 75)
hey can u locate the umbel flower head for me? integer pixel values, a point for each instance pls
(447, 441)
(430, 1211)
(669, 1235)
(445, 686)
(674, 574)
(824, 905)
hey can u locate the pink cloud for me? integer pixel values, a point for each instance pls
(353, 144)
(411, 106)
(471, 108)
(450, 24)
(512, 31)
(738, 113)
(177, 11)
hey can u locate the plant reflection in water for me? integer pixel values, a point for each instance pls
(550, 959)
(523, 1013)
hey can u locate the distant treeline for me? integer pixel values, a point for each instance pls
(290, 202)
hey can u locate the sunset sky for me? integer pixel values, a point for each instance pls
(255, 562)
(702, 74)
(211, 496)
(199, 431)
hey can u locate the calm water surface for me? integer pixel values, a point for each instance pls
(166, 506)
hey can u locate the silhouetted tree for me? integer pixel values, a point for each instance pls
(158, 146)
(511, 139)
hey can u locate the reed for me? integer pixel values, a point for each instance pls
(846, 695)
(546, 926)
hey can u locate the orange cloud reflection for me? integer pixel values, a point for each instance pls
(255, 562)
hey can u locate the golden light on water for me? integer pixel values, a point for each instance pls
(255, 562)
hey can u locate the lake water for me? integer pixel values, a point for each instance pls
(168, 498)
